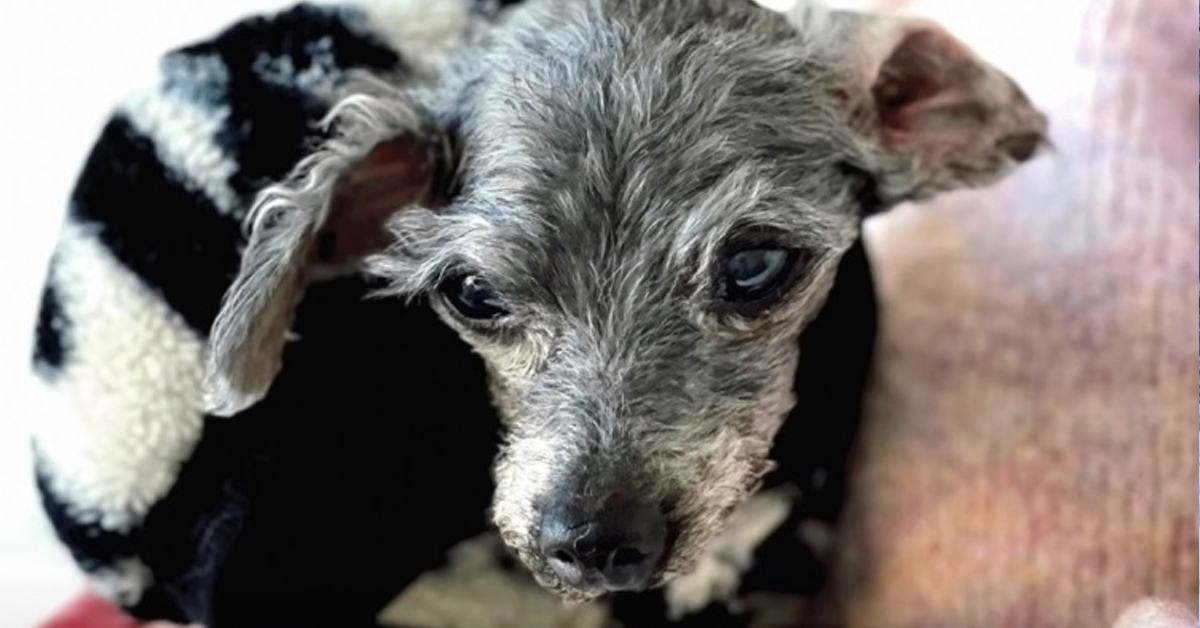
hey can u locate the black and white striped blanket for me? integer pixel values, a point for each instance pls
(321, 503)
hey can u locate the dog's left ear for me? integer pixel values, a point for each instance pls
(932, 114)
(383, 157)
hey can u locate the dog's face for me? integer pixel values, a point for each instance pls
(639, 232)
(647, 205)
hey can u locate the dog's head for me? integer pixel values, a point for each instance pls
(630, 209)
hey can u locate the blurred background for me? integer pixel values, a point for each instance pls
(1102, 235)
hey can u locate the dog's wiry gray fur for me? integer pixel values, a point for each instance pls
(608, 152)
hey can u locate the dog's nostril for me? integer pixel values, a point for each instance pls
(564, 557)
(585, 544)
(626, 557)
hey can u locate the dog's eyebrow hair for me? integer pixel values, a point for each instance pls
(736, 203)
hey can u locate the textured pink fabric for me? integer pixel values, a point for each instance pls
(1029, 458)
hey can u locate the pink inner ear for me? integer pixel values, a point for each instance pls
(394, 174)
(924, 88)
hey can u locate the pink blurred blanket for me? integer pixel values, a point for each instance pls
(1030, 453)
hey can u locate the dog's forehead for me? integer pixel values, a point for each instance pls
(600, 137)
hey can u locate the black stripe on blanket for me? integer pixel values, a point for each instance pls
(272, 111)
(170, 235)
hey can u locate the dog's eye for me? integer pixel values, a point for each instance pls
(754, 276)
(473, 297)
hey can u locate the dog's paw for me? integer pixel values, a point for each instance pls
(718, 572)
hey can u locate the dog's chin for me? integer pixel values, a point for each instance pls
(574, 595)
(571, 594)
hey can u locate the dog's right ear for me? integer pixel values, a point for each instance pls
(383, 156)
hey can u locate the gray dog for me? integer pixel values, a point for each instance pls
(631, 209)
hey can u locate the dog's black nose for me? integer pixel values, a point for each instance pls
(616, 549)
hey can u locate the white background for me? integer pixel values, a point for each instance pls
(64, 64)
